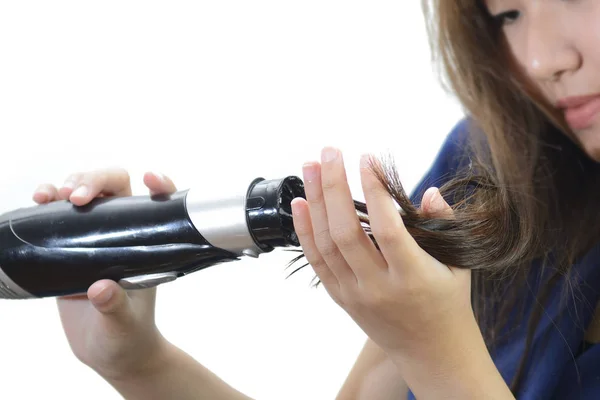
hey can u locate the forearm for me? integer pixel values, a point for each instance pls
(373, 377)
(175, 375)
(455, 367)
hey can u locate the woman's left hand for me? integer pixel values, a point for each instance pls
(415, 308)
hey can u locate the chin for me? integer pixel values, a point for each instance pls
(590, 142)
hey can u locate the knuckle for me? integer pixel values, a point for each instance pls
(312, 257)
(97, 180)
(386, 234)
(328, 183)
(317, 263)
(100, 178)
(325, 244)
(321, 269)
(327, 249)
(74, 177)
(355, 303)
(322, 236)
(116, 173)
(346, 236)
(315, 200)
(87, 176)
(121, 174)
(352, 301)
(110, 177)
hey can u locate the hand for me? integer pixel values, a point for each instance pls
(400, 295)
(411, 305)
(110, 330)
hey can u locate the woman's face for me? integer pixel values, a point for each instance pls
(556, 43)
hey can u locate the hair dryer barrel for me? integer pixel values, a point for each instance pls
(60, 249)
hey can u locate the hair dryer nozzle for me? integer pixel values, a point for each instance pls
(269, 211)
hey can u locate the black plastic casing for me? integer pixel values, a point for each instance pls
(60, 249)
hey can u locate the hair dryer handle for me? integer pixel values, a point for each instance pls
(59, 249)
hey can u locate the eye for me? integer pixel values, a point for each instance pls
(507, 17)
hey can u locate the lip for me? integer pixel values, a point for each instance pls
(580, 111)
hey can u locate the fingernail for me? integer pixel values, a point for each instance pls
(436, 202)
(161, 177)
(329, 154)
(81, 191)
(104, 296)
(309, 171)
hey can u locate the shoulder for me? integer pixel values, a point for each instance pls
(452, 158)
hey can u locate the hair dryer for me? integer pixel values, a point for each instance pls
(59, 249)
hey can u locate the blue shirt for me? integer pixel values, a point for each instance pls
(558, 368)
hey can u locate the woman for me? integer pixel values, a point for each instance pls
(491, 297)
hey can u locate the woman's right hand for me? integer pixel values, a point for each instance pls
(110, 330)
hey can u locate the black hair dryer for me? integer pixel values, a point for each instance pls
(60, 249)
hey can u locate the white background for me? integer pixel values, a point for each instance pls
(212, 93)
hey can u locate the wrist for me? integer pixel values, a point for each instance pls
(172, 373)
(456, 364)
(150, 362)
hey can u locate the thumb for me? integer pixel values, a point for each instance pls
(434, 204)
(111, 300)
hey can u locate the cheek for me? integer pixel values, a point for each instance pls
(520, 63)
(588, 38)
(516, 49)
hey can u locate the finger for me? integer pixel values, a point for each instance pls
(345, 228)
(111, 301)
(67, 188)
(158, 183)
(109, 182)
(434, 205)
(304, 229)
(393, 239)
(45, 193)
(318, 213)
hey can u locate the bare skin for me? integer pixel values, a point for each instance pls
(555, 44)
(102, 326)
(373, 377)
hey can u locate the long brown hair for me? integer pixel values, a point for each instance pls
(530, 193)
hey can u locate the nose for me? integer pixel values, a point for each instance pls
(550, 51)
